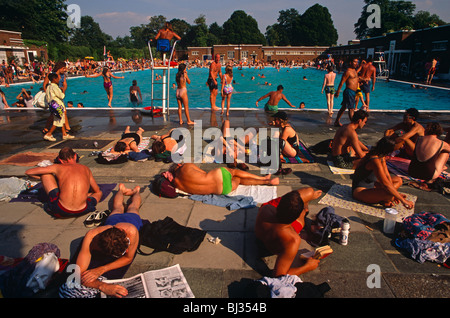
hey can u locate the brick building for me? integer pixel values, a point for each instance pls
(11, 44)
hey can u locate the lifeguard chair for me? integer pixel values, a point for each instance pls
(163, 46)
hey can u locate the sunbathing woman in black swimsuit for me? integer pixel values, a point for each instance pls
(372, 182)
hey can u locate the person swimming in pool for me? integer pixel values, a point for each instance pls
(274, 98)
(107, 83)
(278, 225)
(182, 97)
(135, 93)
(189, 178)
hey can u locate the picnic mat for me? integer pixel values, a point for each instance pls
(341, 196)
(39, 195)
(28, 159)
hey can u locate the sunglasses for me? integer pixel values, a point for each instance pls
(125, 251)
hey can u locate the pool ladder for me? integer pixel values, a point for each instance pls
(165, 80)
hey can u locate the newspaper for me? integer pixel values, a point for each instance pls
(162, 283)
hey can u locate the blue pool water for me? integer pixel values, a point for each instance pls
(391, 96)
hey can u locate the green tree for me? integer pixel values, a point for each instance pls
(316, 28)
(395, 15)
(241, 28)
(90, 34)
(44, 20)
(424, 19)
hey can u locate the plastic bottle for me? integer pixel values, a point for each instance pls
(345, 230)
(390, 219)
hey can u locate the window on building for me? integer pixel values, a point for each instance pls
(244, 54)
(440, 46)
(230, 55)
(194, 53)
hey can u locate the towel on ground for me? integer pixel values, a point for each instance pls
(28, 159)
(37, 193)
(259, 193)
(282, 287)
(229, 202)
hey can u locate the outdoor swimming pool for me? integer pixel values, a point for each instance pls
(389, 96)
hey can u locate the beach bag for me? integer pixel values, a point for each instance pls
(39, 100)
(56, 109)
(163, 187)
(43, 272)
(167, 235)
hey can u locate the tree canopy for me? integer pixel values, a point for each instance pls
(313, 27)
(394, 16)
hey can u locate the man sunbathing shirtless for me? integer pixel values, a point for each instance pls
(189, 178)
(278, 226)
(71, 188)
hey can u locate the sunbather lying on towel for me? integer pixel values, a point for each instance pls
(278, 225)
(189, 178)
(128, 142)
(372, 182)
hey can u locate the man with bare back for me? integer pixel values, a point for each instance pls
(191, 179)
(347, 149)
(278, 225)
(350, 78)
(70, 186)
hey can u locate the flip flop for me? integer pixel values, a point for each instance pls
(420, 186)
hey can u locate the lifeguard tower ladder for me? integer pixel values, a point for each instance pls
(380, 64)
(165, 80)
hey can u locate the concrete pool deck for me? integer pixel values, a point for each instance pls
(223, 270)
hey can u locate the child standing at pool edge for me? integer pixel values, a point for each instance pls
(227, 88)
(54, 96)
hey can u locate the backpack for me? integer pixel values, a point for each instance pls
(167, 235)
(163, 187)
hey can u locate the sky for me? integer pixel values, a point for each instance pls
(117, 16)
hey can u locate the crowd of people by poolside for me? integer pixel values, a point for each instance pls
(73, 192)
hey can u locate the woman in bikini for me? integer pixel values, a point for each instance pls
(372, 182)
(128, 142)
(430, 154)
(227, 88)
(107, 83)
(182, 97)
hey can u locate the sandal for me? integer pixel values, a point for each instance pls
(283, 171)
(420, 185)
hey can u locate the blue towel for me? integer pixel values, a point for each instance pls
(230, 202)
